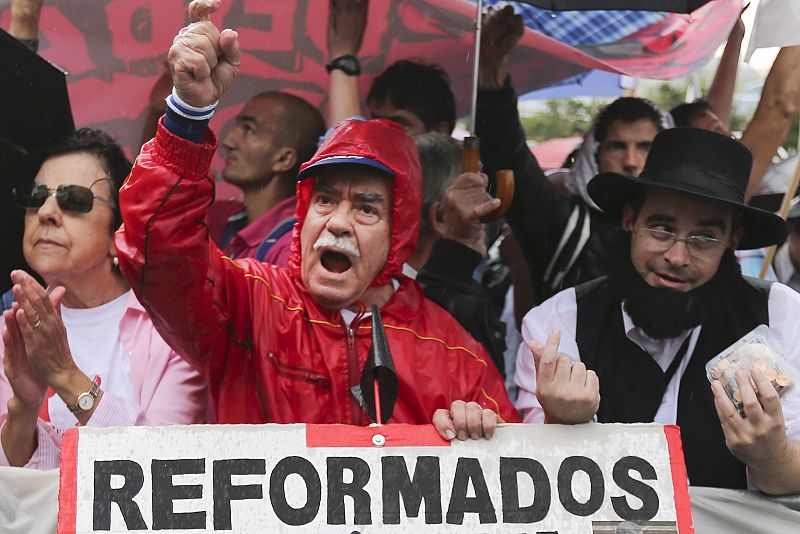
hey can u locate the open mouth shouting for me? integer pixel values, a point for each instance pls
(337, 253)
(335, 262)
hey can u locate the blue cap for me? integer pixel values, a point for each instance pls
(350, 160)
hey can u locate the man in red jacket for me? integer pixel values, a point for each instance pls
(290, 345)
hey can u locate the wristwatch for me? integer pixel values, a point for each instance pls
(85, 400)
(348, 64)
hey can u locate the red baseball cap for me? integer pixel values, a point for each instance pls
(376, 143)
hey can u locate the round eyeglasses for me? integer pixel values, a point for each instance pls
(699, 246)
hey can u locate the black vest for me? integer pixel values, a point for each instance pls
(632, 384)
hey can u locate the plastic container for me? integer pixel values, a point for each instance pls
(758, 349)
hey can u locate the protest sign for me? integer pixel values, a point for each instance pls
(394, 478)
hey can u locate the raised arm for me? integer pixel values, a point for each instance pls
(538, 213)
(164, 250)
(25, 19)
(720, 94)
(779, 104)
(347, 21)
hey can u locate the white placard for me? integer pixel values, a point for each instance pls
(342, 479)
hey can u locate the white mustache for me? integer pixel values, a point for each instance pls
(340, 243)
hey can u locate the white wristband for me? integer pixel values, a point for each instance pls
(188, 111)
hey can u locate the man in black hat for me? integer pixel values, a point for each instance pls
(634, 343)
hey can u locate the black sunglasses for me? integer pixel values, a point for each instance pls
(75, 198)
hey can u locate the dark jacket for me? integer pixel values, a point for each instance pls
(539, 216)
(447, 280)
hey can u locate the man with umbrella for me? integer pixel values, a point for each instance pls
(634, 344)
(290, 345)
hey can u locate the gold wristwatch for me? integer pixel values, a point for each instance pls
(85, 400)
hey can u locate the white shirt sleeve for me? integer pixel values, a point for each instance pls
(784, 322)
(557, 313)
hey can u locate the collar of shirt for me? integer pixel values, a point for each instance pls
(661, 350)
(348, 315)
(409, 271)
(251, 235)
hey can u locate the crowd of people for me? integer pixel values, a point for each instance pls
(160, 305)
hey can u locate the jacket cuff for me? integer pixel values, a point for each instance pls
(189, 160)
(452, 260)
(492, 98)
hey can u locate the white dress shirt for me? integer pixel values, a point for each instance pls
(560, 312)
(784, 269)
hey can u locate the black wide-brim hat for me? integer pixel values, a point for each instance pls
(701, 163)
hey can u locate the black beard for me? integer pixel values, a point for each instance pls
(662, 313)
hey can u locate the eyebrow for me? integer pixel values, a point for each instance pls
(614, 144)
(325, 188)
(656, 217)
(371, 198)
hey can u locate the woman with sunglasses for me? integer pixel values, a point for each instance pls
(82, 351)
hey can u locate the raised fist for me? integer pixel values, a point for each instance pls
(203, 60)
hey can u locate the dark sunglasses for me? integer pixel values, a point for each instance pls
(74, 198)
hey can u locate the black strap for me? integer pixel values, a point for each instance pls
(236, 222)
(569, 248)
(676, 362)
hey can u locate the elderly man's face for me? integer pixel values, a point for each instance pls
(674, 264)
(345, 238)
(625, 147)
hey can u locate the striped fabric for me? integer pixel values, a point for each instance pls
(578, 28)
(183, 109)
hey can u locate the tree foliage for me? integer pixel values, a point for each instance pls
(561, 118)
(572, 116)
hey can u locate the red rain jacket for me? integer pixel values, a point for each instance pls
(271, 354)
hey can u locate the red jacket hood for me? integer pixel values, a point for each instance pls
(384, 145)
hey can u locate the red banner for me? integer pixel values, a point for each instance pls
(114, 51)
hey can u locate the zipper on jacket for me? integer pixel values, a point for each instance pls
(352, 366)
(299, 373)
